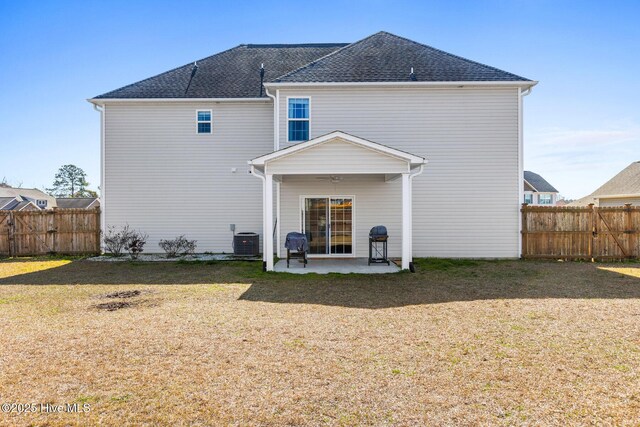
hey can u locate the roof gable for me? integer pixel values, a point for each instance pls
(626, 182)
(538, 183)
(339, 137)
(385, 57)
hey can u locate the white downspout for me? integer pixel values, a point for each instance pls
(255, 172)
(521, 94)
(276, 145)
(411, 176)
(276, 106)
(102, 111)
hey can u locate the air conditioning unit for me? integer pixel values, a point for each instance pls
(247, 244)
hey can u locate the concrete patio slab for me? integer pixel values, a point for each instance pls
(344, 266)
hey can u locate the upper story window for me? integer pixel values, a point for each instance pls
(528, 198)
(544, 199)
(204, 121)
(298, 119)
(41, 203)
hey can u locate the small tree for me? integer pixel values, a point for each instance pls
(70, 181)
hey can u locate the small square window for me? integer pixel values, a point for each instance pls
(204, 121)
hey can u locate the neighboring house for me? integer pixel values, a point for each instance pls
(336, 138)
(537, 191)
(78, 202)
(36, 197)
(16, 204)
(621, 189)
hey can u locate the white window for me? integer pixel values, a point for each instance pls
(41, 203)
(204, 123)
(528, 198)
(298, 119)
(544, 199)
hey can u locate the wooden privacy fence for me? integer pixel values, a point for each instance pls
(594, 233)
(61, 231)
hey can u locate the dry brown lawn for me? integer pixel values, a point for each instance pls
(458, 343)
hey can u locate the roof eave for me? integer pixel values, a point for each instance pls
(512, 83)
(102, 101)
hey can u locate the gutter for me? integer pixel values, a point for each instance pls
(102, 101)
(460, 84)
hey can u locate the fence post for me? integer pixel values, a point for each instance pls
(54, 230)
(11, 232)
(628, 229)
(594, 231)
(524, 230)
(98, 232)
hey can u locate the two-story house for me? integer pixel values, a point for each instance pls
(538, 191)
(326, 139)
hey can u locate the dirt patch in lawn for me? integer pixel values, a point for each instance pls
(113, 306)
(123, 294)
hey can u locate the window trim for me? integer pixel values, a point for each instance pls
(210, 121)
(297, 120)
(530, 197)
(545, 195)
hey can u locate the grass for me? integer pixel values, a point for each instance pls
(458, 343)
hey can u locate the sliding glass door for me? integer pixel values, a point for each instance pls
(328, 224)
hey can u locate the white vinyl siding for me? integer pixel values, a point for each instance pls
(337, 157)
(620, 201)
(166, 180)
(466, 203)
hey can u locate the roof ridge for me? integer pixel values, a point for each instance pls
(326, 56)
(452, 55)
(171, 70)
(291, 45)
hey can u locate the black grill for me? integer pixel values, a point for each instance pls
(378, 245)
(378, 232)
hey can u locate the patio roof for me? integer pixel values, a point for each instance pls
(351, 154)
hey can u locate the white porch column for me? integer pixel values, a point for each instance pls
(278, 218)
(406, 221)
(268, 219)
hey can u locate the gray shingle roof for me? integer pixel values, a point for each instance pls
(538, 183)
(6, 203)
(385, 57)
(381, 57)
(234, 73)
(627, 181)
(76, 202)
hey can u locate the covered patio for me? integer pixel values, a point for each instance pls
(339, 265)
(334, 188)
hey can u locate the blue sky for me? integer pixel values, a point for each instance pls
(582, 122)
